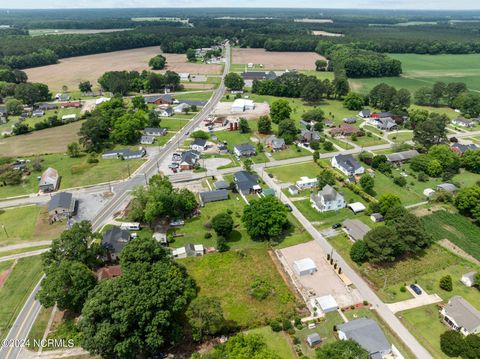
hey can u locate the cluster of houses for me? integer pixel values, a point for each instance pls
(124, 154)
(465, 122)
(168, 106)
(150, 134)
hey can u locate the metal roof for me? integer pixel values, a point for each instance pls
(367, 333)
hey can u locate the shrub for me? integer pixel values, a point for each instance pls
(260, 289)
(403, 289)
(358, 252)
(92, 158)
(296, 340)
(222, 245)
(207, 235)
(286, 324)
(400, 181)
(446, 283)
(452, 343)
(275, 325)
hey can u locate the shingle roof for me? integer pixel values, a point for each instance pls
(356, 229)
(328, 193)
(447, 187)
(464, 314)
(115, 239)
(201, 142)
(61, 200)
(245, 180)
(245, 148)
(462, 148)
(221, 185)
(347, 162)
(367, 333)
(212, 196)
(402, 156)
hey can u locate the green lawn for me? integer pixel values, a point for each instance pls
(235, 138)
(173, 124)
(401, 137)
(195, 96)
(38, 329)
(277, 341)
(16, 289)
(292, 173)
(229, 276)
(367, 141)
(291, 152)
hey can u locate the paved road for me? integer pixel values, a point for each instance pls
(121, 190)
(364, 289)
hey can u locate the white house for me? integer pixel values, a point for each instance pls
(463, 122)
(71, 117)
(461, 316)
(304, 266)
(242, 105)
(199, 144)
(164, 111)
(347, 165)
(189, 250)
(468, 279)
(306, 183)
(328, 199)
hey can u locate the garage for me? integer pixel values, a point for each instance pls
(327, 303)
(304, 266)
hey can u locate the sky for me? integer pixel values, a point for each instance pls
(360, 4)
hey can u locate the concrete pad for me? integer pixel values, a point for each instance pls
(419, 301)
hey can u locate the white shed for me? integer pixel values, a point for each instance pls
(428, 192)
(304, 266)
(357, 207)
(468, 279)
(327, 303)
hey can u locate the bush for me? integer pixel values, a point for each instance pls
(260, 289)
(275, 325)
(403, 289)
(358, 252)
(207, 235)
(446, 283)
(287, 324)
(296, 340)
(222, 245)
(92, 158)
(400, 181)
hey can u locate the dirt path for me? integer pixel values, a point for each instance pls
(445, 243)
(4, 275)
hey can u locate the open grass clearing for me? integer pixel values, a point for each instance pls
(229, 277)
(275, 60)
(292, 173)
(399, 137)
(39, 327)
(367, 141)
(173, 124)
(194, 96)
(291, 151)
(279, 342)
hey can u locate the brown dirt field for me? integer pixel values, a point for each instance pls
(276, 60)
(52, 140)
(71, 71)
(45, 230)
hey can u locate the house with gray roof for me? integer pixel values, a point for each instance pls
(245, 182)
(368, 334)
(196, 103)
(399, 157)
(124, 153)
(355, 229)
(313, 339)
(188, 160)
(49, 181)
(61, 206)
(199, 144)
(328, 199)
(386, 124)
(447, 187)
(213, 196)
(244, 150)
(147, 140)
(461, 316)
(307, 135)
(155, 131)
(461, 148)
(463, 122)
(275, 143)
(347, 165)
(258, 75)
(114, 240)
(365, 113)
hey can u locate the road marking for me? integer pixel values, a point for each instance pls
(20, 329)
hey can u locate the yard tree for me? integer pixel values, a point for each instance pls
(468, 201)
(138, 102)
(423, 96)
(410, 229)
(287, 130)
(378, 160)
(200, 134)
(452, 343)
(127, 129)
(94, 133)
(222, 245)
(471, 161)
(327, 146)
(325, 177)
(321, 65)
(205, 316)
(453, 90)
(14, 107)
(341, 86)
(264, 125)
(243, 346)
(387, 201)
(438, 92)
(280, 110)
(222, 224)
(153, 119)
(142, 250)
(402, 101)
(172, 80)
(383, 245)
(73, 150)
(446, 283)
(472, 344)
(358, 252)
(67, 285)
(139, 313)
(316, 115)
(342, 349)
(434, 168)
(247, 164)
(30, 93)
(191, 56)
(448, 159)
(157, 62)
(468, 103)
(312, 90)
(234, 81)
(85, 86)
(73, 244)
(243, 125)
(265, 218)
(367, 182)
(353, 101)
(316, 155)
(431, 131)
(400, 181)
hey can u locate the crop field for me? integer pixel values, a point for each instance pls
(39, 32)
(276, 60)
(424, 70)
(71, 71)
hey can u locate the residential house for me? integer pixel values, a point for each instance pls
(400, 157)
(275, 143)
(313, 340)
(245, 182)
(469, 279)
(258, 75)
(61, 206)
(184, 76)
(306, 135)
(364, 113)
(163, 111)
(124, 153)
(306, 183)
(114, 240)
(188, 160)
(69, 118)
(189, 250)
(49, 181)
(71, 104)
(199, 144)
(38, 113)
(213, 196)
(62, 97)
(244, 150)
(347, 165)
(355, 229)
(350, 120)
(181, 108)
(109, 272)
(242, 105)
(328, 199)
(463, 122)
(196, 103)
(461, 316)
(448, 187)
(222, 147)
(386, 124)
(154, 131)
(306, 124)
(345, 130)
(381, 115)
(376, 217)
(368, 334)
(147, 140)
(460, 149)
(221, 185)
(47, 106)
(159, 99)
(329, 123)
(293, 190)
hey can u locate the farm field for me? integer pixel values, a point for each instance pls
(424, 70)
(39, 32)
(50, 140)
(71, 71)
(275, 60)
(214, 274)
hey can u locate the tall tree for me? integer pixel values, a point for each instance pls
(234, 81)
(280, 110)
(205, 316)
(342, 349)
(222, 224)
(264, 125)
(287, 130)
(383, 245)
(265, 218)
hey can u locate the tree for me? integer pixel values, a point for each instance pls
(353, 101)
(200, 134)
(446, 283)
(409, 228)
(85, 86)
(128, 128)
(316, 155)
(358, 252)
(153, 119)
(222, 245)
(438, 92)
(312, 90)
(342, 349)
(423, 96)
(468, 201)
(14, 107)
(222, 224)
(453, 90)
(280, 110)
(287, 130)
(264, 125)
(471, 161)
(234, 81)
(191, 55)
(241, 346)
(142, 250)
(383, 245)
(400, 181)
(367, 182)
(157, 62)
(452, 343)
(321, 65)
(247, 164)
(205, 316)
(73, 150)
(138, 102)
(468, 103)
(328, 146)
(31, 93)
(265, 218)
(387, 201)
(67, 285)
(431, 131)
(341, 86)
(316, 115)
(326, 177)
(243, 125)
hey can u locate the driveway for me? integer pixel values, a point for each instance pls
(212, 164)
(415, 302)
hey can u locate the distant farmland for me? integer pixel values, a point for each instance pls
(424, 70)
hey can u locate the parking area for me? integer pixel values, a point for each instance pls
(325, 281)
(224, 109)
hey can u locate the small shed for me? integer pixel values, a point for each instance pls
(357, 207)
(293, 190)
(377, 217)
(468, 279)
(313, 339)
(304, 266)
(327, 303)
(428, 192)
(221, 185)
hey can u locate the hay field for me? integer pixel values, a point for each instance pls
(71, 71)
(276, 60)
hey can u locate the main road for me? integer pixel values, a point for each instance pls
(13, 347)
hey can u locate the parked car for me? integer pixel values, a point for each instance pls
(288, 207)
(270, 175)
(336, 225)
(416, 289)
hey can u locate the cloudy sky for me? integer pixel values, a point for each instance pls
(365, 4)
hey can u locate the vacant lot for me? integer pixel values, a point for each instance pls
(276, 60)
(72, 70)
(51, 140)
(229, 277)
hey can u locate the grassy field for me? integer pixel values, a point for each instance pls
(290, 152)
(16, 289)
(38, 329)
(26, 224)
(424, 70)
(401, 137)
(456, 228)
(195, 96)
(292, 173)
(229, 276)
(277, 341)
(74, 172)
(173, 124)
